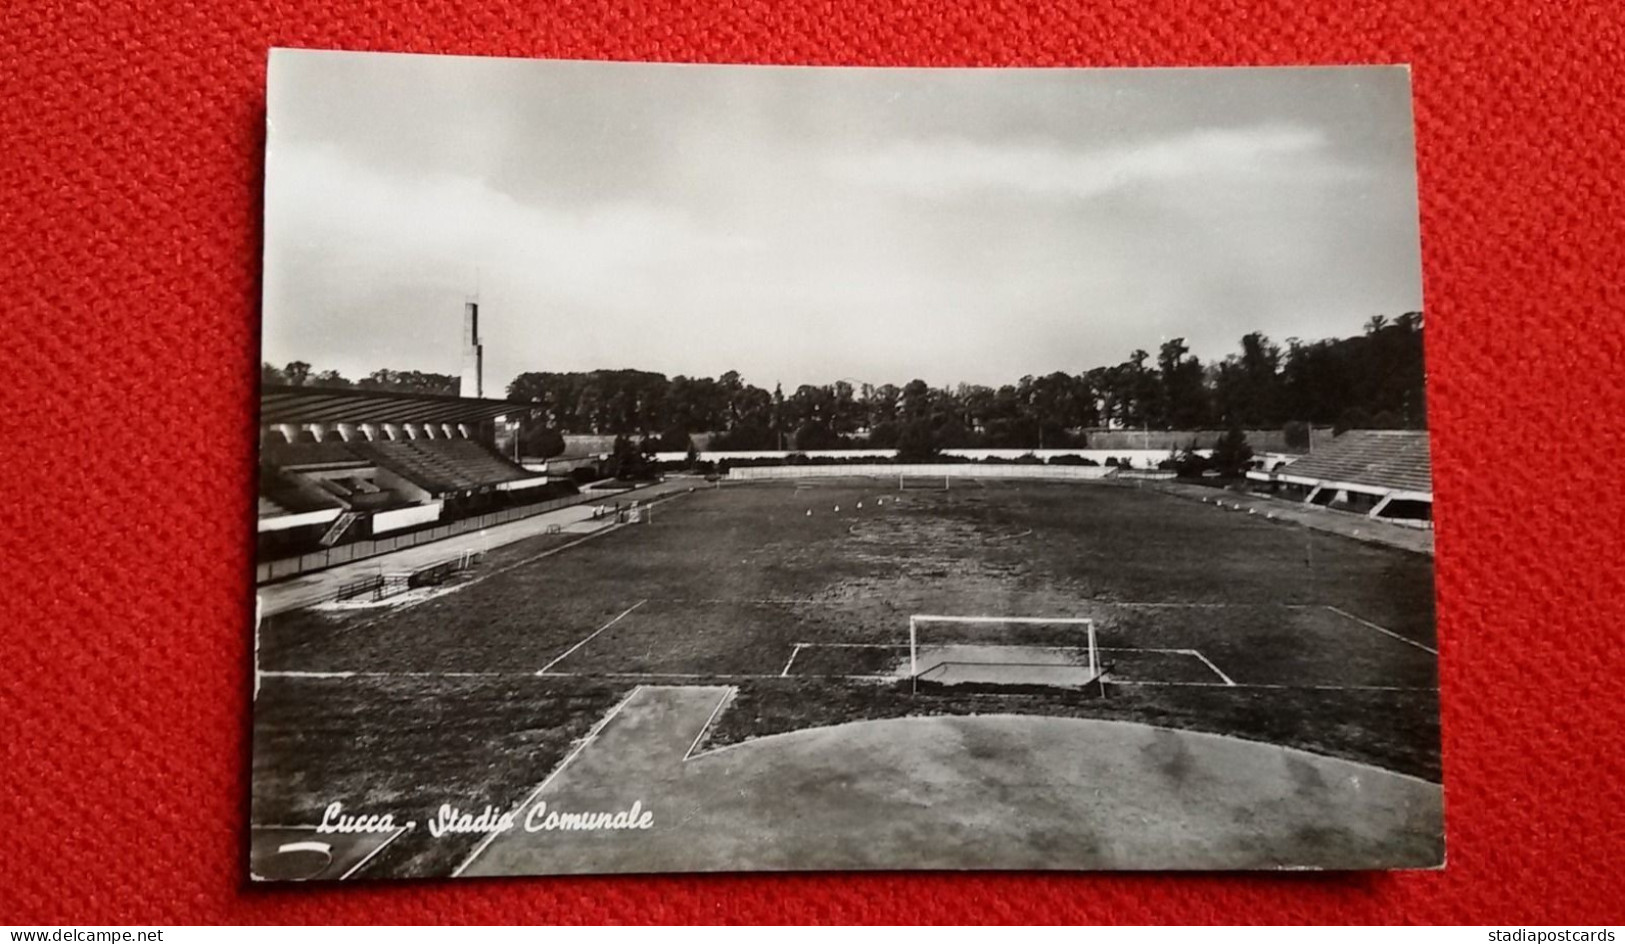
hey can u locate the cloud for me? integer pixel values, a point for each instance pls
(367, 268)
(955, 167)
(376, 220)
(881, 254)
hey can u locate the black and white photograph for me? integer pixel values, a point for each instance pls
(698, 468)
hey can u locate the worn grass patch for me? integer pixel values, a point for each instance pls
(405, 746)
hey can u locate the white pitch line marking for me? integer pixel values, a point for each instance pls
(852, 645)
(933, 618)
(1209, 663)
(458, 588)
(1196, 606)
(987, 645)
(399, 832)
(722, 703)
(1381, 629)
(1274, 687)
(667, 676)
(592, 735)
(752, 601)
(561, 658)
(793, 653)
(292, 673)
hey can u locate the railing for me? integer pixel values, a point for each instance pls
(267, 571)
(366, 586)
(382, 586)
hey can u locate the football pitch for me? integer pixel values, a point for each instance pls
(797, 597)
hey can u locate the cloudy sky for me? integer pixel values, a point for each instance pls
(806, 225)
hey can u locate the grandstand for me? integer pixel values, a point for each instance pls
(445, 466)
(1385, 474)
(342, 465)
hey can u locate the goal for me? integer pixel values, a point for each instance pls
(1055, 651)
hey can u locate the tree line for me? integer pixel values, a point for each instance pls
(301, 374)
(1370, 380)
(1373, 380)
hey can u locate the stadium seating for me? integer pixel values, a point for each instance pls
(282, 494)
(1383, 459)
(442, 465)
(437, 465)
(330, 452)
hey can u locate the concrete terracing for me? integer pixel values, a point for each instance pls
(1358, 527)
(1391, 459)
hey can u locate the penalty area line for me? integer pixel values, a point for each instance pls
(793, 653)
(1381, 629)
(566, 654)
(1272, 687)
(1209, 663)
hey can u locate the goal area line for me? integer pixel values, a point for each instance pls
(1037, 620)
(994, 654)
(970, 656)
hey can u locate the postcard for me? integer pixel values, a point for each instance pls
(680, 468)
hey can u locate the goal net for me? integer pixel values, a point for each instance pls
(1003, 651)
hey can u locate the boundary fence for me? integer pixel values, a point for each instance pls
(932, 470)
(383, 586)
(267, 571)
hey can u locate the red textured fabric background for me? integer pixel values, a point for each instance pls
(130, 168)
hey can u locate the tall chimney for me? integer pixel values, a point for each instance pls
(473, 352)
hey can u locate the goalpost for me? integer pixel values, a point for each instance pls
(1003, 650)
(903, 486)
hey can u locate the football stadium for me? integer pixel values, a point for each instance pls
(468, 663)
